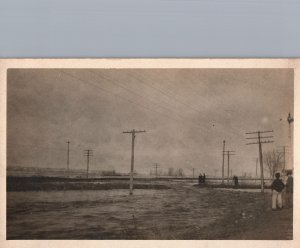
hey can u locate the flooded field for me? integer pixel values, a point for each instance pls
(181, 212)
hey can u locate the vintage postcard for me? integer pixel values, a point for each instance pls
(116, 151)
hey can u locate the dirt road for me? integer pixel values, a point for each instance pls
(182, 212)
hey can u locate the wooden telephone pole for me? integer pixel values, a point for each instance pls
(88, 153)
(290, 120)
(256, 170)
(133, 133)
(156, 165)
(223, 154)
(259, 141)
(68, 158)
(229, 153)
(284, 150)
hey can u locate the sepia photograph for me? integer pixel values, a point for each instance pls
(149, 153)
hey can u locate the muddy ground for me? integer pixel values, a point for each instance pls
(181, 212)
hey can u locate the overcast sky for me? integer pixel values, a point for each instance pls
(186, 113)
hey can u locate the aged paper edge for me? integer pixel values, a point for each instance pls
(147, 63)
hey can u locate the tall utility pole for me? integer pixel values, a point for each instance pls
(284, 152)
(133, 133)
(223, 154)
(259, 141)
(256, 170)
(229, 153)
(88, 153)
(156, 165)
(68, 158)
(290, 120)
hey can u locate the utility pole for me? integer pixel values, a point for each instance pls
(133, 133)
(259, 141)
(68, 158)
(256, 170)
(223, 154)
(284, 152)
(88, 153)
(290, 120)
(156, 165)
(229, 153)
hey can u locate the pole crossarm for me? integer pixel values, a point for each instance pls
(262, 142)
(271, 131)
(261, 137)
(252, 143)
(230, 152)
(135, 131)
(267, 141)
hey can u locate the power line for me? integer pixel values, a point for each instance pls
(149, 99)
(42, 147)
(130, 90)
(171, 96)
(139, 105)
(136, 104)
(259, 143)
(133, 132)
(168, 93)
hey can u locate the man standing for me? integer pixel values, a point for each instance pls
(200, 179)
(277, 187)
(236, 181)
(289, 190)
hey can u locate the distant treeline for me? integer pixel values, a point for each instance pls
(56, 183)
(58, 172)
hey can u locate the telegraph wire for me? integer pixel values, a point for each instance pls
(136, 104)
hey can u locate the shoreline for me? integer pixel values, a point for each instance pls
(17, 184)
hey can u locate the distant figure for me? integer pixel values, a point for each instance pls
(200, 178)
(277, 187)
(236, 181)
(204, 178)
(289, 190)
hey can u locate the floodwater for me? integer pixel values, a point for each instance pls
(182, 212)
(247, 190)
